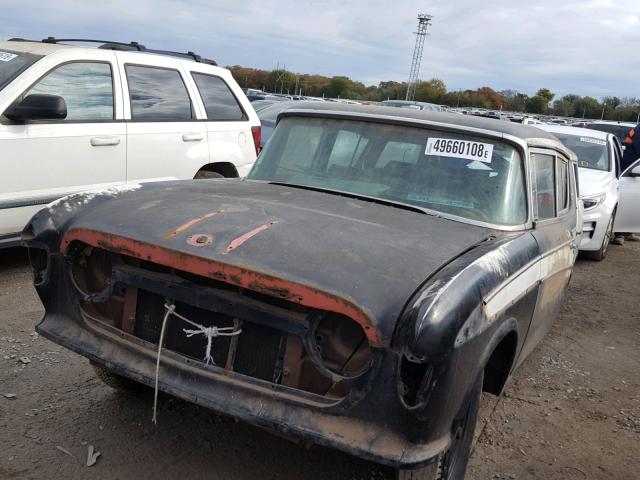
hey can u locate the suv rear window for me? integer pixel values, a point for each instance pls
(157, 95)
(13, 64)
(219, 101)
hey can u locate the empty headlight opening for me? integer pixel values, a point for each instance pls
(90, 268)
(338, 346)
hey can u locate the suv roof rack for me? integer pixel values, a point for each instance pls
(122, 46)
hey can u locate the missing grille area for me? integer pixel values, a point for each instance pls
(270, 345)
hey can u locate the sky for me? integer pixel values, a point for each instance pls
(587, 47)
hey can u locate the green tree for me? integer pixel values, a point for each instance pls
(612, 102)
(537, 104)
(313, 85)
(588, 107)
(432, 91)
(281, 81)
(546, 94)
(566, 106)
(514, 101)
(391, 90)
(339, 87)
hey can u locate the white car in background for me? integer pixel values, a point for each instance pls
(605, 201)
(76, 118)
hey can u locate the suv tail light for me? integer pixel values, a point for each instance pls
(256, 132)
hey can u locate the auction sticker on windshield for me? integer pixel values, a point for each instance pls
(447, 147)
(6, 56)
(595, 141)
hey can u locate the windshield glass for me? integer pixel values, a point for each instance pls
(463, 175)
(592, 152)
(13, 64)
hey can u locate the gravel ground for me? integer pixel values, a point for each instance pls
(571, 412)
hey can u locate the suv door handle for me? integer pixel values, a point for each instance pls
(104, 141)
(192, 137)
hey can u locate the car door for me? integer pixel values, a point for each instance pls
(555, 212)
(166, 137)
(45, 160)
(228, 125)
(628, 216)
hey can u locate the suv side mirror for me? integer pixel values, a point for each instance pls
(38, 107)
(635, 171)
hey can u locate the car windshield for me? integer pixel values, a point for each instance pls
(13, 64)
(463, 175)
(591, 152)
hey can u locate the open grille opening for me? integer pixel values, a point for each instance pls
(281, 342)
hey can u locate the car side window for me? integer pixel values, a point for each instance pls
(219, 101)
(545, 185)
(87, 89)
(562, 187)
(157, 95)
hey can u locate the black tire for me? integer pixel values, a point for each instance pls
(452, 464)
(207, 174)
(599, 255)
(118, 382)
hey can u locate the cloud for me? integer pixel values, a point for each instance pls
(582, 46)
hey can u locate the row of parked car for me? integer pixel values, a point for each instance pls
(374, 273)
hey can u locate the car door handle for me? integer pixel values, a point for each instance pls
(192, 137)
(104, 141)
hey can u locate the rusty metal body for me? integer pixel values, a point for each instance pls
(363, 326)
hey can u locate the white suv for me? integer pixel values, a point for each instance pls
(75, 118)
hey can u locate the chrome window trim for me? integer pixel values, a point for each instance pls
(565, 210)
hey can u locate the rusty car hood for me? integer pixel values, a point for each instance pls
(370, 255)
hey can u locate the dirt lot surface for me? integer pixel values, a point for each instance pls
(571, 412)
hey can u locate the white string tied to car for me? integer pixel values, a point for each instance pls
(209, 332)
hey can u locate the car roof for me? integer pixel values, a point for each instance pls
(269, 114)
(523, 132)
(575, 131)
(611, 122)
(36, 48)
(47, 48)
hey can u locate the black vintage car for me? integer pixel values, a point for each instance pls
(377, 270)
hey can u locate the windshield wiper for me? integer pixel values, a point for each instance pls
(378, 200)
